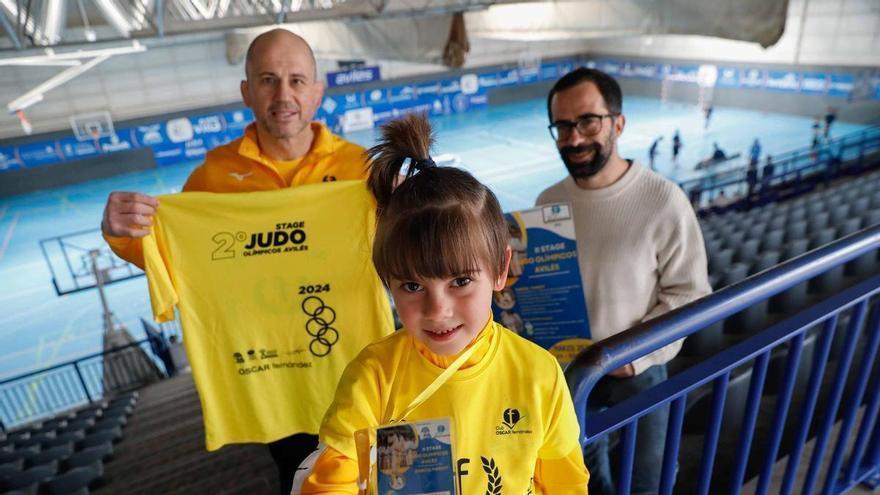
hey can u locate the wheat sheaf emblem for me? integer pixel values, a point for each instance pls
(491, 470)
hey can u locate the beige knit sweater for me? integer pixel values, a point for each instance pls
(640, 252)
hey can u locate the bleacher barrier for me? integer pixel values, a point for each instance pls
(42, 393)
(799, 346)
(793, 172)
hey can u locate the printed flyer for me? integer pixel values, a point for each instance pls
(544, 297)
(414, 459)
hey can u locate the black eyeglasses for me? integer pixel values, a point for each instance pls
(587, 125)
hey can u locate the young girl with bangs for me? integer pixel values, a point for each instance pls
(441, 247)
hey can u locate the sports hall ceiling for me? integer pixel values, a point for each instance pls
(29, 24)
(42, 23)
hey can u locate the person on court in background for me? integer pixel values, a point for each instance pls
(707, 113)
(752, 171)
(653, 151)
(640, 252)
(282, 148)
(830, 117)
(676, 147)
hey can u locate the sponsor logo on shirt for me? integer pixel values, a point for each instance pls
(249, 362)
(509, 420)
(240, 177)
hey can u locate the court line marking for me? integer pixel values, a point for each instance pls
(8, 237)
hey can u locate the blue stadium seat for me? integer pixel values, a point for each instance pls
(796, 215)
(764, 260)
(9, 468)
(57, 454)
(831, 280)
(81, 424)
(756, 231)
(840, 214)
(17, 454)
(795, 230)
(734, 239)
(772, 240)
(860, 205)
(821, 237)
(733, 274)
(68, 436)
(778, 222)
(35, 439)
(704, 342)
(110, 422)
(92, 456)
(849, 226)
(747, 250)
(103, 436)
(713, 245)
(719, 260)
(814, 207)
(15, 436)
(794, 297)
(818, 221)
(29, 481)
(77, 480)
(871, 218)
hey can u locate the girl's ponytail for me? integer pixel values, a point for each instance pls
(409, 137)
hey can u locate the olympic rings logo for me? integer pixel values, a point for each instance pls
(318, 325)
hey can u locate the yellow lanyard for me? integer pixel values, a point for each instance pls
(436, 384)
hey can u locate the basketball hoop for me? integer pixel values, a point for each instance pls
(25, 123)
(95, 133)
(707, 76)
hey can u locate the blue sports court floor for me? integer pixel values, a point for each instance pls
(507, 147)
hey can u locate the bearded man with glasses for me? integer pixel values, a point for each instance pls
(640, 252)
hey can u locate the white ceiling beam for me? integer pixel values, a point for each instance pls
(36, 95)
(115, 17)
(10, 30)
(52, 20)
(51, 56)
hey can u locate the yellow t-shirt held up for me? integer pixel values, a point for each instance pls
(276, 292)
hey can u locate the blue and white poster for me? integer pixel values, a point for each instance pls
(544, 297)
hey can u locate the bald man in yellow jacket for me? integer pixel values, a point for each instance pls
(282, 148)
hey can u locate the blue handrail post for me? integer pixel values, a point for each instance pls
(82, 382)
(852, 408)
(837, 387)
(627, 456)
(869, 425)
(719, 395)
(756, 386)
(820, 360)
(673, 442)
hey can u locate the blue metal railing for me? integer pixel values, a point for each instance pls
(864, 455)
(796, 169)
(48, 391)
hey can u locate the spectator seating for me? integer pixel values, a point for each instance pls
(743, 243)
(64, 454)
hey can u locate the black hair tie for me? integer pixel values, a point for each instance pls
(420, 165)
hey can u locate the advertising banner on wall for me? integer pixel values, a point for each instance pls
(188, 138)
